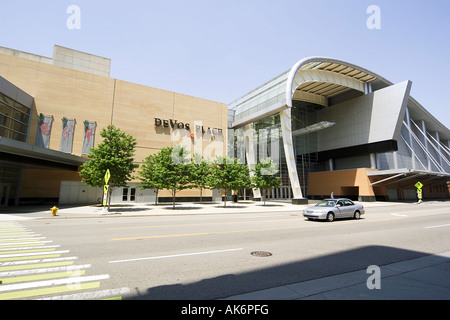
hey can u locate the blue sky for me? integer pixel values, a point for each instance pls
(222, 49)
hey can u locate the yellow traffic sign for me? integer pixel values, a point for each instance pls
(419, 185)
(419, 194)
(105, 194)
(107, 176)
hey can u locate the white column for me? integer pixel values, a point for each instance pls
(436, 136)
(425, 141)
(448, 146)
(413, 155)
(373, 161)
(250, 145)
(286, 127)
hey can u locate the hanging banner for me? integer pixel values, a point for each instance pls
(67, 135)
(89, 135)
(44, 130)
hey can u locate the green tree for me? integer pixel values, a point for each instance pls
(149, 174)
(200, 172)
(173, 170)
(115, 153)
(228, 174)
(265, 176)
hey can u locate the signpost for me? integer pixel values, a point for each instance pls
(106, 190)
(419, 186)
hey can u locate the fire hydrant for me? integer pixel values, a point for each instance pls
(54, 210)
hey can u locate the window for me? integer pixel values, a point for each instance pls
(125, 194)
(14, 119)
(133, 194)
(348, 203)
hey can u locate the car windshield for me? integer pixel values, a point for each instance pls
(326, 203)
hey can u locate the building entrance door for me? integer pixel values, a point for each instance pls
(129, 194)
(4, 194)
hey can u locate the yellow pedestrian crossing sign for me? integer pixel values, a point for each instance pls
(106, 187)
(105, 195)
(418, 185)
(107, 176)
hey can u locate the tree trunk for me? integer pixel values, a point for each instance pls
(109, 197)
(225, 198)
(156, 199)
(174, 192)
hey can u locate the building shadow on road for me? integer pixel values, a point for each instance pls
(359, 259)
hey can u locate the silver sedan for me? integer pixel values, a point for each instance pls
(330, 209)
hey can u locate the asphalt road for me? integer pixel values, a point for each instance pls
(210, 256)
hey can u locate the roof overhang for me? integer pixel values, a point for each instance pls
(16, 153)
(326, 77)
(395, 176)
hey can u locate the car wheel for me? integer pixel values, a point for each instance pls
(330, 217)
(357, 215)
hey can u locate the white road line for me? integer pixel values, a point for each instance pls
(22, 239)
(20, 243)
(399, 215)
(17, 234)
(43, 270)
(91, 295)
(32, 254)
(177, 255)
(29, 248)
(55, 282)
(16, 263)
(440, 226)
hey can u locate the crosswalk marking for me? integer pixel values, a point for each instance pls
(43, 276)
(44, 270)
(92, 295)
(34, 256)
(29, 239)
(19, 249)
(2, 255)
(11, 263)
(7, 235)
(31, 267)
(75, 281)
(48, 291)
(36, 265)
(28, 243)
(27, 251)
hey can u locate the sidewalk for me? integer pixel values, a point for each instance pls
(425, 278)
(146, 209)
(149, 209)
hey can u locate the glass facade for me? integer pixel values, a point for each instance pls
(268, 94)
(305, 114)
(14, 122)
(268, 131)
(14, 119)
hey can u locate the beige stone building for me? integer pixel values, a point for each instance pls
(52, 112)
